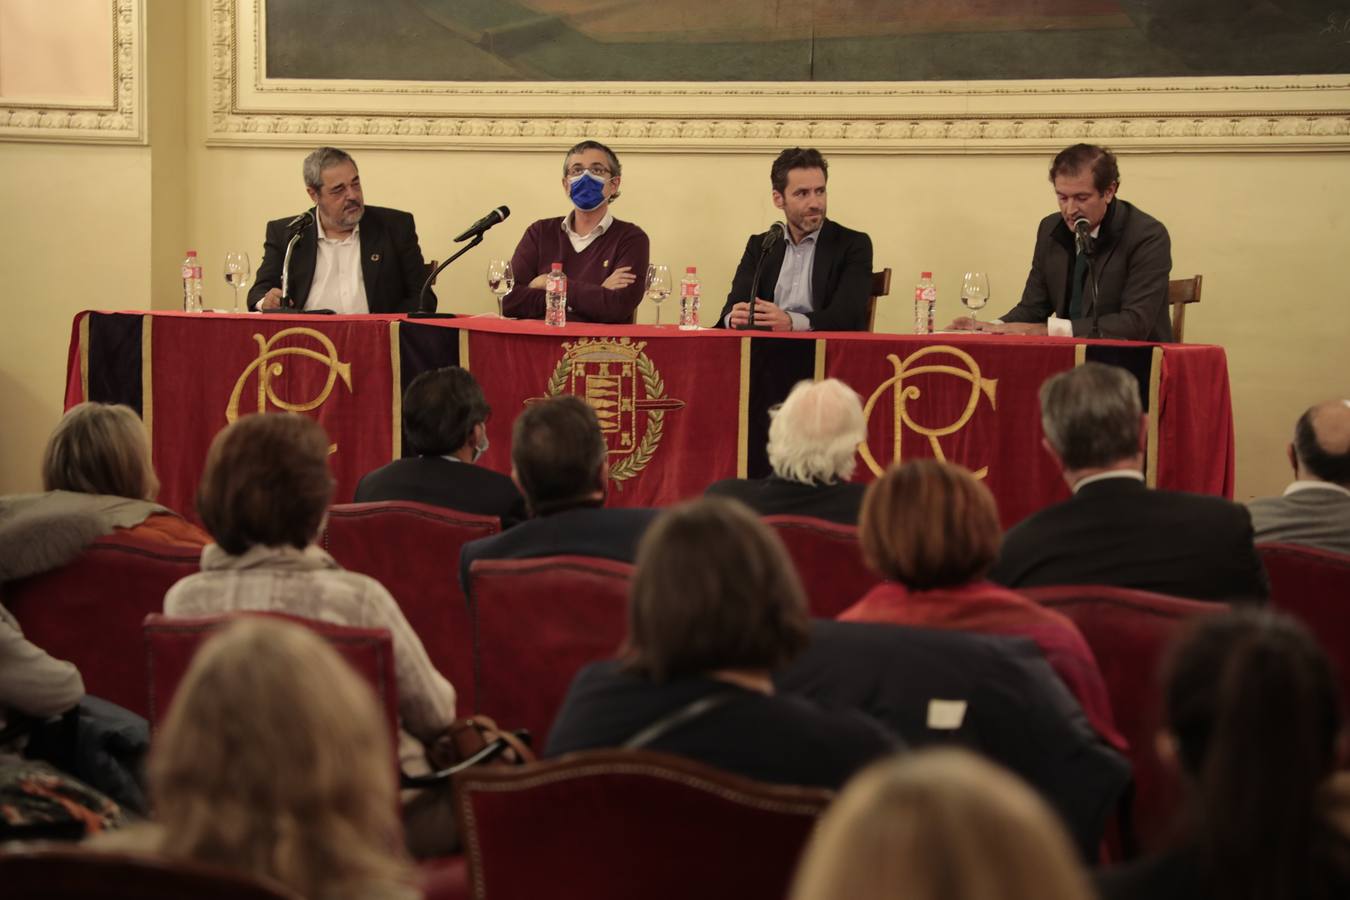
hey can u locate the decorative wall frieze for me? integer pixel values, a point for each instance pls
(1199, 114)
(120, 122)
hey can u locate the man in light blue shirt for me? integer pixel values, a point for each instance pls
(819, 277)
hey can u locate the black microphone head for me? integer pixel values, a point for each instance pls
(503, 213)
(1081, 225)
(772, 236)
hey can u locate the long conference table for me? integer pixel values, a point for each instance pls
(679, 409)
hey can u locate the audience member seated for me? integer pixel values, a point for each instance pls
(97, 479)
(1315, 509)
(445, 424)
(36, 800)
(931, 530)
(813, 446)
(1115, 530)
(263, 496)
(561, 463)
(939, 825)
(275, 760)
(1253, 724)
(715, 607)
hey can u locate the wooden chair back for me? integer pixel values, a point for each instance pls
(1181, 291)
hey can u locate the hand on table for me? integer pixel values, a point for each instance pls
(966, 323)
(271, 299)
(766, 313)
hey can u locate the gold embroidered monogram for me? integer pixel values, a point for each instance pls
(905, 394)
(626, 391)
(268, 367)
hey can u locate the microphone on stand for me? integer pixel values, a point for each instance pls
(474, 235)
(1083, 240)
(499, 214)
(771, 237)
(1082, 235)
(300, 222)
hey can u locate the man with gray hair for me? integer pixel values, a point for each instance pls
(813, 446)
(1115, 530)
(1315, 509)
(351, 258)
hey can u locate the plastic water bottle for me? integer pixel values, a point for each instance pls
(192, 283)
(689, 294)
(925, 298)
(555, 297)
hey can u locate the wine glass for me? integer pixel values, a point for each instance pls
(238, 271)
(974, 294)
(500, 280)
(658, 287)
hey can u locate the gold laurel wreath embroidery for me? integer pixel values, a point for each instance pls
(636, 461)
(655, 386)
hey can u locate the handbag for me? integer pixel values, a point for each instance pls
(472, 741)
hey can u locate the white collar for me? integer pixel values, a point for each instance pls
(1102, 476)
(600, 229)
(1311, 485)
(318, 225)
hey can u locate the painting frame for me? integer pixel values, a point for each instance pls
(1212, 114)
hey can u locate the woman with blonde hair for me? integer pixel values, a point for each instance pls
(97, 479)
(275, 759)
(939, 825)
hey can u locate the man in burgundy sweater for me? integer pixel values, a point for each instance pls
(605, 260)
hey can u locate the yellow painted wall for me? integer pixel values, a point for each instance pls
(1266, 229)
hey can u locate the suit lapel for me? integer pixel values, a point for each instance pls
(773, 266)
(820, 265)
(1059, 269)
(372, 249)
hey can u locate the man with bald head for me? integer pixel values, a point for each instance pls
(1315, 509)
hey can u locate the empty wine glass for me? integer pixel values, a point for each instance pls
(238, 271)
(500, 280)
(658, 287)
(974, 294)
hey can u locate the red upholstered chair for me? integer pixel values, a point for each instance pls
(536, 622)
(71, 873)
(829, 560)
(618, 824)
(1129, 632)
(413, 550)
(170, 644)
(90, 611)
(1314, 586)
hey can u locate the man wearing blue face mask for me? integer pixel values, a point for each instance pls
(445, 425)
(819, 277)
(605, 259)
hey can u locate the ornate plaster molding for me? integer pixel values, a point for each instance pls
(1200, 114)
(121, 122)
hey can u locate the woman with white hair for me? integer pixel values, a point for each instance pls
(813, 445)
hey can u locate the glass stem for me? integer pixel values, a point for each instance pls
(500, 298)
(658, 314)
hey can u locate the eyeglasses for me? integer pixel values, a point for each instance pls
(599, 170)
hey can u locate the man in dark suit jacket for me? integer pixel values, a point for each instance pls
(1129, 251)
(560, 461)
(820, 277)
(355, 259)
(1115, 530)
(813, 447)
(445, 423)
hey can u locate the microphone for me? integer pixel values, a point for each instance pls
(771, 237)
(499, 214)
(300, 222)
(1082, 236)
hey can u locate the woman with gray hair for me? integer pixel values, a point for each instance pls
(813, 444)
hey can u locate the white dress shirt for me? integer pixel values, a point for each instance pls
(338, 284)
